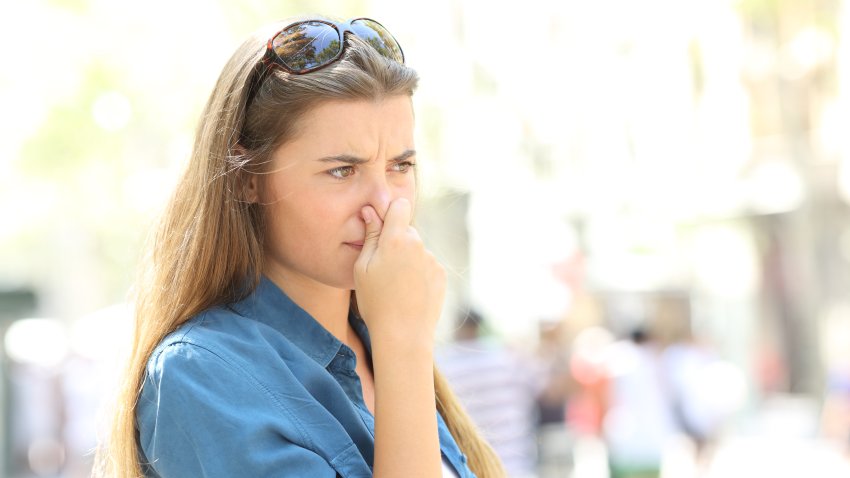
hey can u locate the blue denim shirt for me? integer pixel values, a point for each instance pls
(259, 388)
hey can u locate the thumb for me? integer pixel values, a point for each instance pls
(373, 232)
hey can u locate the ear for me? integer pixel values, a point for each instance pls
(251, 187)
(249, 182)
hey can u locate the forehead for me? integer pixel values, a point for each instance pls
(356, 125)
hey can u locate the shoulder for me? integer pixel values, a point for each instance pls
(220, 352)
(213, 325)
(217, 332)
(205, 349)
(216, 362)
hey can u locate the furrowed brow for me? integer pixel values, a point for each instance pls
(354, 160)
(343, 158)
(403, 156)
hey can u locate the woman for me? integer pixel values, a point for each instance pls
(285, 325)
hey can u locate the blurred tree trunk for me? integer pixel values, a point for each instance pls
(799, 245)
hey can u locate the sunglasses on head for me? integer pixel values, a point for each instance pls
(310, 45)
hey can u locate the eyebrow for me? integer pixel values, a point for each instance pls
(354, 160)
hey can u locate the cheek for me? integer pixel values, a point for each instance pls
(411, 192)
(408, 191)
(308, 220)
(405, 186)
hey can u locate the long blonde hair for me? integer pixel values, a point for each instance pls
(208, 248)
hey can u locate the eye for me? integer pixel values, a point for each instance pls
(341, 172)
(403, 166)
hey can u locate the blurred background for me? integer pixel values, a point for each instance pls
(643, 207)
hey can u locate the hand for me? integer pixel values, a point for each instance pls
(400, 287)
(399, 284)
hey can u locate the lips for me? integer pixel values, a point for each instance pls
(356, 245)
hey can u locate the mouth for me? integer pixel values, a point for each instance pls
(355, 245)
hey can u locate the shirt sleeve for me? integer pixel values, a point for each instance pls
(201, 416)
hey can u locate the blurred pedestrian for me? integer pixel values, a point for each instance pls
(589, 370)
(639, 425)
(555, 441)
(498, 387)
(692, 373)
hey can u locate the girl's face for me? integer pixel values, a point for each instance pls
(345, 155)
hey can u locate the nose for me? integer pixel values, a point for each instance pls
(380, 194)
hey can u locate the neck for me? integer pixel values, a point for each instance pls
(328, 305)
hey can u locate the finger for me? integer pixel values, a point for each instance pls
(397, 218)
(373, 232)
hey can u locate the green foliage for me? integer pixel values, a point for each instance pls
(69, 138)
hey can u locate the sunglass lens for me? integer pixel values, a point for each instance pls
(379, 37)
(307, 45)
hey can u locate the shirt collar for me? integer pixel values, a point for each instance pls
(269, 305)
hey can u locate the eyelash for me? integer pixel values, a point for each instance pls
(406, 166)
(344, 172)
